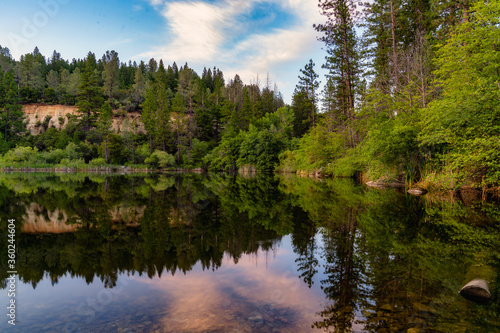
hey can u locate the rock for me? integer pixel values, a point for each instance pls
(383, 184)
(477, 291)
(417, 191)
(256, 320)
(386, 307)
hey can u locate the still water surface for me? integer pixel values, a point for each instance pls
(192, 253)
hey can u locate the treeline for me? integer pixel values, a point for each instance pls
(415, 97)
(184, 114)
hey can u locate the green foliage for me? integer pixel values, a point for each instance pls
(97, 162)
(11, 115)
(464, 124)
(160, 159)
(197, 153)
(72, 152)
(21, 155)
(259, 146)
(53, 156)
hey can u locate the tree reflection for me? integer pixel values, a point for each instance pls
(385, 262)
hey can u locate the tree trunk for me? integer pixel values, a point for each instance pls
(394, 51)
(106, 154)
(178, 148)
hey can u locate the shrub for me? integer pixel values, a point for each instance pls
(160, 159)
(53, 156)
(100, 161)
(22, 155)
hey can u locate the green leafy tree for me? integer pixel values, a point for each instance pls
(462, 127)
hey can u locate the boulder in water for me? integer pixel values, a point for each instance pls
(477, 291)
(417, 191)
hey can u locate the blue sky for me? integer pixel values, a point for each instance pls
(250, 38)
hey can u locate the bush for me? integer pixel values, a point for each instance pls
(100, 161)
(196, 155)
(77, 164)
(142, 152)
(22, 155)
(53, 156)
(160, 159)
(72, 152)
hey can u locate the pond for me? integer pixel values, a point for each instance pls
(218, 253)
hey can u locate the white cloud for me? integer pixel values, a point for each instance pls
(200, 33)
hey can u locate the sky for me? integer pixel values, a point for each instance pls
(251, 38)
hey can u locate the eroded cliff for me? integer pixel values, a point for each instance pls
(37, 113)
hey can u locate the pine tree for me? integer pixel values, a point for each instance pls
(308, 83)
(343, 57)
(148, 115)
(89, 98)
(111, 74)
(30, 71)
(53, 79)
(11, 113)
(103, 127)
(378, 43)
(139, 87)
(163, 96)
(156, 109)
(178, 109)
(301, 106)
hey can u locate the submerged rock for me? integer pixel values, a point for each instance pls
(477, 291)
(417, 191)
(256, 320)
(384, 184)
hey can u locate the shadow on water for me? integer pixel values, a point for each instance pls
(377, 260)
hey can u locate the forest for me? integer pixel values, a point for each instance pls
(412, 94)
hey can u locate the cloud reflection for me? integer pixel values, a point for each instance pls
(246, 296)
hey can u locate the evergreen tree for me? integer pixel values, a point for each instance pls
(139, 87)
(89, 98)
(178, 110)
(163, 95)
(111, 74)
(301, 106)
(6, 61)
(378, 43)
(30, 72)
(308, 83)
(11, 114)
(103, 127)
(340, 39)
(156, 109)
(148, 115)
(53, 79)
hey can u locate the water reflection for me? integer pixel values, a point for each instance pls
(264, 254)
